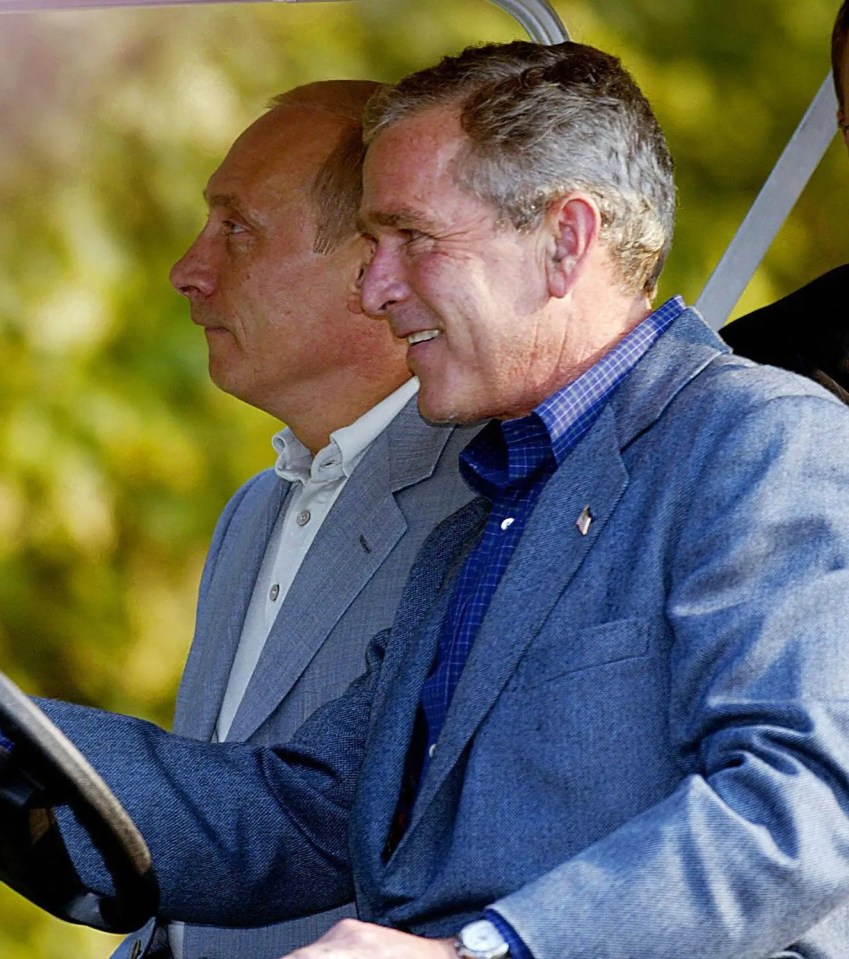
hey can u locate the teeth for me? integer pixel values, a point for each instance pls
(422, 336)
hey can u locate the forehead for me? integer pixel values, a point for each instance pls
(411, 167)
(274, 160)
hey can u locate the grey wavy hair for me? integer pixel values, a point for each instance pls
(542, 121)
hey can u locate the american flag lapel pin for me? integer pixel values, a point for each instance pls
(584, 520)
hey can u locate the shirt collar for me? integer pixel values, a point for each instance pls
(347, 445)
(513, 452)
(570, 411)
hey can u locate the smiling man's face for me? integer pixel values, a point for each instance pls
(468, 294)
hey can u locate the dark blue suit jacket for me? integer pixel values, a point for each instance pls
(806, 332)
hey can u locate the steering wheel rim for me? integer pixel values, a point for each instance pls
(46, 770)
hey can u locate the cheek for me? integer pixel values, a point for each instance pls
(269, 301)
(440, 279)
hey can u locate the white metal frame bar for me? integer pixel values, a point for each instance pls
(539, 19)
(777, 198)
(29, 6)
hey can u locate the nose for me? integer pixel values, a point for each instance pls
(192, 275)
(383, 284)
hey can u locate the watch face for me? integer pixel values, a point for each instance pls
(482, 939)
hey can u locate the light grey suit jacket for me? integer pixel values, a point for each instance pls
(647, 754)
(346, 590)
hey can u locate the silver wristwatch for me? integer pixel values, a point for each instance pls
(481, 940)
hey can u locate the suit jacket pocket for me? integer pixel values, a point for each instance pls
(558, 650)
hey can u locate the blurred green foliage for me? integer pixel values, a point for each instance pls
(117, 453)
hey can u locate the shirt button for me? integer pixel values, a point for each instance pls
(507, 523)
(303, 517)
(431, 750)
(274, 592)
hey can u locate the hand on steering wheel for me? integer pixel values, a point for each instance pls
(40, 769)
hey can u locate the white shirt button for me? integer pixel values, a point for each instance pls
(431, 750)
(303, 517)
(274, 592)
(507, 523)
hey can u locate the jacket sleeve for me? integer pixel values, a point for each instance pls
(239, 835)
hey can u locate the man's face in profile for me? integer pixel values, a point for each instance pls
(272, 308)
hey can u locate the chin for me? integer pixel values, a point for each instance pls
(447, 414)
(431, 409)
(219, 378)
(225, 381)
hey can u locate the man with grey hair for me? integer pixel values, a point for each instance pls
(601, 724)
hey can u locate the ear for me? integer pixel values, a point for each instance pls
(573, 225)
(363, 252)
(354, 302)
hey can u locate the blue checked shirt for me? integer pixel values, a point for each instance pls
(509, 463)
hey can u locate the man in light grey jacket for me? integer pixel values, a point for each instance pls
(308, 559)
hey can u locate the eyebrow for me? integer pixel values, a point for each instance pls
(221, 199)
(404, 217)
(232, 201)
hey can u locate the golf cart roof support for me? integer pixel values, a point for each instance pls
(777, 198)
(536, 16)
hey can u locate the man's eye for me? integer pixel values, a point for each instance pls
(413, 237)
(231, 227)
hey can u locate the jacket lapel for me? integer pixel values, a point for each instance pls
(593, 476)
(223, 608)
(364, 526)
(407, 664)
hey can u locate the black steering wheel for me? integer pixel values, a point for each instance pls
(41, 770)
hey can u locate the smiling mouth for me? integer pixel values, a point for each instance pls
(422, 336)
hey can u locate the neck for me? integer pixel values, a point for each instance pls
(603, 325)
(313, 422)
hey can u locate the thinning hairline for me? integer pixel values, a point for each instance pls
(315, 105)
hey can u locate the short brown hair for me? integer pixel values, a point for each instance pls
(336, 191)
